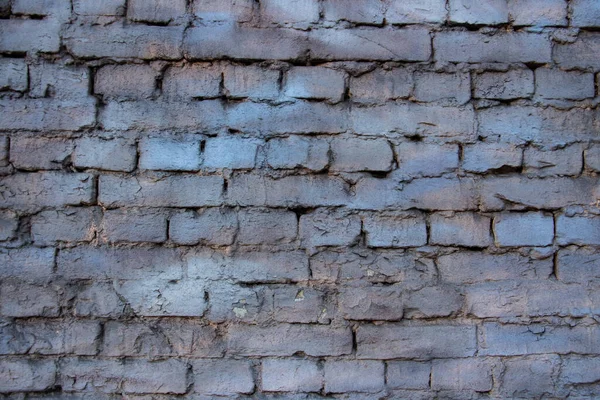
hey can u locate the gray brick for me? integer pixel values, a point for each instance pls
(66, 225)
(381, 85)
(219, 153)
(367, 12)
(530, 377)
(155, 10)
(60, 9)
(580, 370)
(461, 229)
(287, 339)
(592, 157)
(170, 154)
(585, 13)
(473, 12)
(523, 229)
(417, 159)
(31, 153)
(107, 154)
(557, 84)
(279, 375)
(472, 47)
(126, 82)
(534, 13)
(98, 300)
(217, 10)
(419, 342)
(134, 225)
(329, 229)
(201, 80)
(402, 230)
(416, 11)
(485, 157)
(223, 377)
(578, 265)
(4, 145)
(581, 54)
(251, 81)
(9, 222)
(13, 74)
(433, 86)
(513, 84)
(19, 299)
(383, 303)
(298, 152)
(354, 376)
(212, 226)
(231, 302)
(466, 374)
(31, 36)
(299, 304)
(433, 301)
(27, 263)
(59, 81)
(289, 11)
(267, 226)
(580, 230)
(93, 7)
(548, 162)
(47, 114)
(353, 154)
(27, 375)
(315, 83)
(408, 374)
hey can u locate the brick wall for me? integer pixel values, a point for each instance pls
(299, 199)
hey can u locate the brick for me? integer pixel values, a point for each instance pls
(382, 303)
(577, 265)
(123, 376)
(534, 13)
(145, 42)
(97, 300)
(368, 12)
(5, 8)
(173, 191)
(573, 85)
(354, 376)
(29, 36)
(217, 10)
(298, 304)
(231, 302)
(416, 12)
(564, 161)
(381, 85)
(353, 155)
(581, 54)
(248, 267)
(119, 263)
(298, 152)
(472, 47)
(59, 81)
(592, 157)
(580, 230)
(408, 44)
(523, 229)
(27, 375)
(4, 150)
(27, 263)
(218, 153)
(160, 115)
(214, 42)
(513, 84)
(408, 375)
(126, 82)
(329, 229)
(402, 230)
(211, 226)
(192, 81)
(433, 86)
(60, 9)
(289, 11)
(9, 223)
(285, 340)
(134, 225)
(163, 11)
(267, 227)
(39, 153)
(107, 154)
(461, 229)
(580, 370)
(170, 154)
(47, 115)
(419, 342)
(223, 377)
(46, 189)
(19, 299)
(67, 225)
(473, 12)
(13, 74)
(93, 7)
(251, 81)
(424, 159)
(585, 13)
(433, 301)
(486, 157)
(467, 374)
(315, 83)
(279, 375)
(476, 267)
(534, 376)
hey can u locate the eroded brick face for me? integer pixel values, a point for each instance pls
(299, 199)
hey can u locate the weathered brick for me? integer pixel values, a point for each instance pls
(13, 74)
(580, 230)
(381, 85)
(299, 304)
(433, 86)
(585, 13)
(530, 377)
(383, 303)
(472, 47)
(217, 10)
(461, 229)
(547, 162)
(298, 152)
(134, 225)
(172, 191)
(47, 189)
(578, 265)
(573, 85)
(534, 13)
(31, 153)
(108, 154)
(230, 152)
(581, 54)
(401, 230)
(576, 370)
(9, 223)
(251, 81)
(367, 12)
(170, 154)
(66, 225)
(279, 375)
(155, 10)
(419, 342)
(285, 340)
(408, 374)
(592, 157)
(59, 9)
(123, 376)
(223, 377)
(353, 154)
(485, 157)
(27, 375)
(409, 44)
(329, 229)
(93, 7)
(523, 229)
(416, 11)
(19, 299)
(98, 300)
(473, 12)
(192, 81)
(354, 376)
(267, 226)
(126, 82)
(59, 81)
(315, 83)
(47, 114)
(417, 159)
(289, 11)
(433, 301)
(513, 84)
(231, 302)
(213, 226)
(28, 263)
(466, 374)
(29, 36)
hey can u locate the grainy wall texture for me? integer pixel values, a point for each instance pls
(299, 199)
